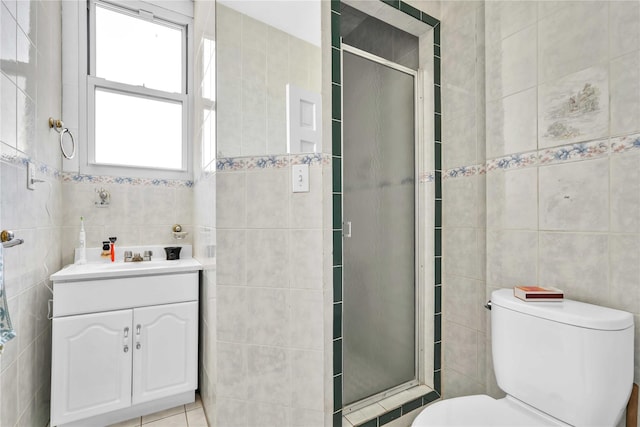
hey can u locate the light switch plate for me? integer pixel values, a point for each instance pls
(300, 178)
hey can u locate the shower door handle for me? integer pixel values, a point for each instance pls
(346, 229)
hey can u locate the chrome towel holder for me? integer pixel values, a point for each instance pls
(58, 125)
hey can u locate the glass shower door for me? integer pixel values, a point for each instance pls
(379, 227)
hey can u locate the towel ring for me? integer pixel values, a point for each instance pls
(59, 127)
(73, 144)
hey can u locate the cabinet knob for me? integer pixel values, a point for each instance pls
(138, 346)
(126, 348)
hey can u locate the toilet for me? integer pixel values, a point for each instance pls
(559, 363)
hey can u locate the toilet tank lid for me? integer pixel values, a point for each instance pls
(570, 312)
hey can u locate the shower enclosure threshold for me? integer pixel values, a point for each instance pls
(403, 402)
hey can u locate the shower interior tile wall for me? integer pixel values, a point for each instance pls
(30, 92)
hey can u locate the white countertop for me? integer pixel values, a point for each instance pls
(97, 268)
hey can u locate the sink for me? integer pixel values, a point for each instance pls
(98, 268)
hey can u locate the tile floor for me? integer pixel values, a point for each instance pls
(190, 415)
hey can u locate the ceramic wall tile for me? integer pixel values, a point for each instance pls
(233, 316)
(459, 202)
(512, 257)
(231, 257)
(625, 93)
(456, 384)
(459, 133)
(625, 271)
(460, 252)
(511, 124)
(306, 259)
(306, 319)
(268, 199)
(462, 301)
(269, 414)
(231, 200)
(232, 370)
(519, 60)
(267, 255)
(624, 32)
(268, 312)
(575, 196)
(512, 199)
(625, 193)
(9, 392)
(460, 349)
(268, 371)
(306, 380)
(562, 49)
(574, 108)
(577, 263)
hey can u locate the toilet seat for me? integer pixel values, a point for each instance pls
(482, 410)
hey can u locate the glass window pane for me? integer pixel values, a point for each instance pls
(137, 131)
(138, 52)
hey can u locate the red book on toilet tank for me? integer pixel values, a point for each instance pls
(537, 293)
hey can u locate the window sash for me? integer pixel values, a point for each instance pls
(93, 83)
(164, 17)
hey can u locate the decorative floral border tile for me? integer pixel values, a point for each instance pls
(428, 176)
(512, 161)
(234, 164)
(463, 171)
(623, 144)
(100, 179)
(573, 152)
(20, 160)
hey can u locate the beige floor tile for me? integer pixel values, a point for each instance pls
(179, 420)
(163, 414)
(196, 418)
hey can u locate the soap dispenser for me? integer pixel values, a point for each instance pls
(82, 243)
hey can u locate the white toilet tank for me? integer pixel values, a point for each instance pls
(571, 360)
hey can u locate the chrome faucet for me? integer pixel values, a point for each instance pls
(131, 257)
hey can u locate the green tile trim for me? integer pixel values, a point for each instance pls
(437, 211)
(337, 357)
(393, 3)
(337, 320)
(438, 156)
(437, 247)
(437, 356)
(436, 70)
(438, 270)
(429, 20)
(438, 298)
(410, 10)
(335, 30)
(337, 211)
(436, 34)
(437, 104)
(437, 179)
(411, 406)
(336, 138)
(337, 285)
(337, 247)
(437, 384)
(437, 329)
(337, 419)
(335, 6)
(336, 70)
(337, 395)
(436, 50)
(336, 179)
(336, 102)
(389, 416)
(437, 118)
(431, 397)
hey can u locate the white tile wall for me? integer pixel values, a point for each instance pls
(29, 45)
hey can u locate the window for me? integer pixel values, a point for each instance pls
(137, 90)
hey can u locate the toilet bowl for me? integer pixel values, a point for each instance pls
(554, 361)
(483, 411)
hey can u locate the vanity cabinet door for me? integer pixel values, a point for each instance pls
(165, 356)
(91, 365)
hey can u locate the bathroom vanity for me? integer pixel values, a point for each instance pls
(125, 339)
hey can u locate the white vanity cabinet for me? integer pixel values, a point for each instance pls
(123, 347)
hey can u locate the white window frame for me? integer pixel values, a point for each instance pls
(79, 69)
